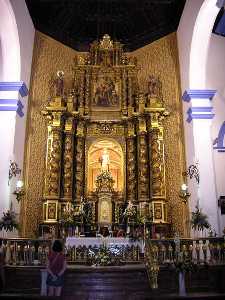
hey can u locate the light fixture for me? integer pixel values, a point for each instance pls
(19, 191)
(14, 170)
(192, 171)
(184, 194)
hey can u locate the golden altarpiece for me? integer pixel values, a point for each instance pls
(105, 139)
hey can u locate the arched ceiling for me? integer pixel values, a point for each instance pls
(77, 23)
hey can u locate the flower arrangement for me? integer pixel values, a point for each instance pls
(104, 181)
(101, 258)
(105, 256)
(199, 220)
(105, 175)
(8, 221)
(69, 216)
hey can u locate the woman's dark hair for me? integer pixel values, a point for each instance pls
(57, 246)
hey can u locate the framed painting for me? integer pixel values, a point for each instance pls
(106, 94)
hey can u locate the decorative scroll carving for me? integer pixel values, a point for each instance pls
(68, 160)
(105, 128)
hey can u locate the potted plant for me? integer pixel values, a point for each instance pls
(8, 221)
(199, 221)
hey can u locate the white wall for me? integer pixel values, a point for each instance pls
(26, 37)
(202, 66)
(16, 48)
(216, 78)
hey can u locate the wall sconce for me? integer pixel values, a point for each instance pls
(184, 194)
(19, 191)
(14, 170)
(193, 171)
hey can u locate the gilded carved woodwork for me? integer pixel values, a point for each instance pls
(157, 164)
(68, 160)
(120, 113)
(105, 129)
(131, 169)
(80, 167)
(53, 158)
(143, 169)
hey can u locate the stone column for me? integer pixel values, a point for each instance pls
(80, 162)
(131, 164)
(199, 151)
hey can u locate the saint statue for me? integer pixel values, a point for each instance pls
(104, 160)
(154, 87)
(59, 84)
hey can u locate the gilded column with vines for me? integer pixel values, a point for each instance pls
(53, 167)
(131, 163)
(68, 159)
(143, 167)
(155, 106)
(80, 162)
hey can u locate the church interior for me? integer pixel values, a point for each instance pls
(112, 143)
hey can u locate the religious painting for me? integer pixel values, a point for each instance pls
(106, 93)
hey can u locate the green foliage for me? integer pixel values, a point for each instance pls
(199, 220)
(184, 263)
(8, 221)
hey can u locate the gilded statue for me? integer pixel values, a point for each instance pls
(154, 87)
(154, 93)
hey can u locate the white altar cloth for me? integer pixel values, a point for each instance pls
(98, 241)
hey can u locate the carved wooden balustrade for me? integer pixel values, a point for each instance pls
(30, 252)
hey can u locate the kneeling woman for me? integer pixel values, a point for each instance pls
(56, 267)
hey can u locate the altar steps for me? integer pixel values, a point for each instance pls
(109, 283)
